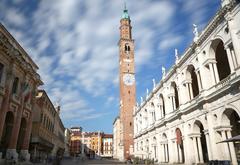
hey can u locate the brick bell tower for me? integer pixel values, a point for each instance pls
(127, 82)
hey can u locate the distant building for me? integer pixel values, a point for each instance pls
(19, 81)
(96, 143)
(47, 138)
(107, 145)
(75, 141)
(117, 143)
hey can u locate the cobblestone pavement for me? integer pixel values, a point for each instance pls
(86, 162)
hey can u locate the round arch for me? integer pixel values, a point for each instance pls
(7, 132)
(218, 52)
(198, 128)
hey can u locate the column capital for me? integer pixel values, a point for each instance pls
(223, 128)
(194, 135)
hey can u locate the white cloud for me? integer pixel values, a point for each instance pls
(170, 42)
(14, 17)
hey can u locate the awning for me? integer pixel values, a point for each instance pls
(233, 139)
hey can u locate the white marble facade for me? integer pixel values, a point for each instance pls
(197, 102)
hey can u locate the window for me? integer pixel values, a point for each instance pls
(1, 71)
(15, 85)
(127, 48)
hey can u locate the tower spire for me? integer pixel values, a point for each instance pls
(125, 14)
(125, 5)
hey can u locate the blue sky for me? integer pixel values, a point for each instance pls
(74, 43)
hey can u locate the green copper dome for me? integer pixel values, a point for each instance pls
(125, 12)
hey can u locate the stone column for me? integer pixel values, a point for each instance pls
(24, 148)
(167, 152)
(176, 152)
(200, 150)
(232, 149)
(199, 80)
(208, 146)
(214, 81)
(234, 59)
(216, 72)
(234, 32)
(224, 137)
(195, 149)
(230, 59)
(191, 90)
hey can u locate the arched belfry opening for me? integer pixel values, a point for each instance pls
(194, 80)
(127, 48)
(223, 66)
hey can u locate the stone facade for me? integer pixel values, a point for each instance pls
(107, 145)
(18, 85)
(196, 104)
(117, 143)
(43, 139)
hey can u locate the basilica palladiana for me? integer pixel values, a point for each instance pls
(196, 105)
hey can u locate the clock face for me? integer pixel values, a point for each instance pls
(128, 79)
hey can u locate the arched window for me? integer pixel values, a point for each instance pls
(15, 85)
(175, 98)
(1, 71)
(223, 67)
(162, 105)
(127, 48)
(194, 81)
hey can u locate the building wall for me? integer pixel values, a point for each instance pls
(117, 143)
(18, 84)
(47, 134)
(107, 146)
(196, 104)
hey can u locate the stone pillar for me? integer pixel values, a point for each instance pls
(208, 146)
(200, 150)
(161, 153)
(232, 149)
(230, 59)
(234, 59)
(173, 102)
(167, 152)
(199, 80)
(216, 72)
(212, 74)
(234, 32)
(191, 90)
(224, 137)
(24, 148)
(11, 151)
(176, 152)
(194, 139)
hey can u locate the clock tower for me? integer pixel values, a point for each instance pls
(127, 83)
